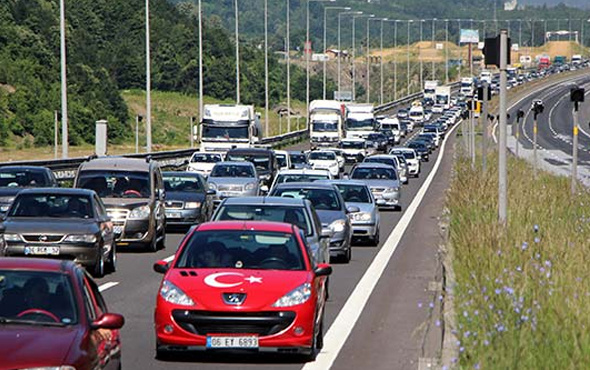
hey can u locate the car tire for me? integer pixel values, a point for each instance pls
(162, 354)
(152, 245)
(347, 255)
(161, 243)
(97, 269)
(376, 238)
(112, 262)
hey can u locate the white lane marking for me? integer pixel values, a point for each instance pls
(108, 285)
(581, 126)
(168, 259)
(353, 308)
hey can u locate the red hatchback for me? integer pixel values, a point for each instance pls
(52, 316)
(241, 286)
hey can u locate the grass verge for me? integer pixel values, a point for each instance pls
(522, 298)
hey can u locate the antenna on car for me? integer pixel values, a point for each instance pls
(148, 159)
(91, 157)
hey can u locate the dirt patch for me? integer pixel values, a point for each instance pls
(8, 88)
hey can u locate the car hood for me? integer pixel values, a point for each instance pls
(327, 217)
(262, 287)
(9, 192)
(31, 346)
(363, 207)
(48, 225)
(185, 196)
(232, 180)
(127, 203)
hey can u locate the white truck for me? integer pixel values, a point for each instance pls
(467, 86)
(227, 126)
(443, 97)
(486, 76)
(360, 120)
(576, 59)
(326, 123)
(429, 90)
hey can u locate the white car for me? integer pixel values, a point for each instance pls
(438, 108)
(283, 159)
(300, 175)
(324, 160)
(411, 159)
(355, 150)
(203, 162)
(339, 155)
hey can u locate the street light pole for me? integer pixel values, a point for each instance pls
(340, 48)
(288, 49)
(325, 45)
(200, 63)
(446, 51)
(420, 53)
(369, 54)
(502, 168)
(395, 59)
(408, 59)
(353, 69)
(148, 87)
(237, 34)
(381, 63)
(433, 46)
(266, 85)
(64, 84)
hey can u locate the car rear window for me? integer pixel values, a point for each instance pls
(305, 177)
(23, 178)
(354, 193)
(322, 199)
(370, 173)
(277, 213)
(227, 170)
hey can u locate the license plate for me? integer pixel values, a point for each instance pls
(48, 251)
(118, 229)
(250, 341)
(173, 215)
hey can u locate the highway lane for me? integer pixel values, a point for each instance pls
(137, 285)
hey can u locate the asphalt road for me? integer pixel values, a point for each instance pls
(132, 292)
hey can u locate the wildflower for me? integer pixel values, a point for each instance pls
(501, 328)
(476, 313)
(467, 334)
(548, 263)
(476, 366)
(524, 318)
(437, 323)
(431, 305)
(536, 228)
(419, 304)
(498, 290)
(518, 268)
(524, 246)
(537, 239)
(465, 314)
(440, 297)
(537, 255)
(486, 342)
(461, 349)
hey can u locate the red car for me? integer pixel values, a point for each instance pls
(241, 285)
(52, 316)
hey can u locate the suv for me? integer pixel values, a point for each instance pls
(132, 190)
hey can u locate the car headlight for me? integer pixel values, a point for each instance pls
(295, 297)
(391, 190)
(334, 164)
(212, 186)
(12, 237)
(4, 208)
(51, 368)
(81, 238)
(360, 216)
(338, 226)
(192, 205)
(250, 186)
(140, 213)
(171, 293)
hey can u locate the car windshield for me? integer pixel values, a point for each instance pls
(277, 213)
(232, 170)
(261, 162)
(374, 173)
(182, 183)
(225, 133)
(416, 145)
(242, 249)
(36, 297)
(322, 199)
(354, 193)
(324, 126)
(322, 156)
(301, 177)
(298, 158)
(281, 160)
(116, 184)
(51, 205)
(206, 158)
(365, 124)
(387, 161)
(352, 144)
(12, 177)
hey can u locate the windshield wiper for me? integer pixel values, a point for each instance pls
(4, 320)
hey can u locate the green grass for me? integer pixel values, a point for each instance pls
(522, 293)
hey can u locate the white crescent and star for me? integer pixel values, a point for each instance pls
(212, 281)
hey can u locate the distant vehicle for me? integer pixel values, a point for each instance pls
(326, 122)
(486, 76)
(55, 303)
(390, 160)
(61, 223)
(189, 200)
(559, 60)
(234, 179)
(241, 286)
(467, 86)
(360, 120)
(417, 114)
(383, 181)
(378, 140)
(421, 150)
(228, 126)
(325, 160)
(544, 62)
(299, 160)
(202, 162)
(13, 179)
(577, 59)
(300, 175)
(339, 156)
(430, 136)
(429, 89)
(298, 212)
(283, 159)
(443, 97)
(402, 113)
(263, 159)
(355, 150)
(330, 208)
(133, 192)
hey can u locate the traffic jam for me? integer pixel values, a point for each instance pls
(261, 229)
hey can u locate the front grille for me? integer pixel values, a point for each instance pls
(42, 238)
(210, 322)
(229, 188)
(118, 214)
(377, 190)
(174, 205)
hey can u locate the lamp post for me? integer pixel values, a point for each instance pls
(381, 62)
(446, 51)
(460, 51)
(200, 63)
(237, 34)
(353, 88)
(148, 84)
(266, 86)
(64, 84)
(433, 46)
(369, 54)
(420, 52)
(408, 59)
(395, 59)
(339, 47)
(288, 49)
(325, 46)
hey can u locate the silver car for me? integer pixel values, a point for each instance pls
(391, 160)
(383, 181)
(365, 222)
(234, 179)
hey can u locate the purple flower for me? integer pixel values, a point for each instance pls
(548, 263)
(465, 314)
(518, 268)
(461, 349)
(476, 366)
(419, 304)
(537, 239)
(437, 323)
(498, 290)
(524, 246)
(431, 305)
(486, 342)
(536, 228)
(467, 334)
(501, 328)
(476, 313)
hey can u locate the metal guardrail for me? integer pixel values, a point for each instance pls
(388, 106)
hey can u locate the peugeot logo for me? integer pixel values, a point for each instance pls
(234, 299)
(43, 238)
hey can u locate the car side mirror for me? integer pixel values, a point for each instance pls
(323, 269)
(326, 234)
(109, 321)
(352, 209)
(211, 192)
(161, 267)
(346, 176)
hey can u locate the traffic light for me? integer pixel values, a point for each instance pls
(491, 51)
(519, 115)
(480, 93)
(577, 96)
(538, 107)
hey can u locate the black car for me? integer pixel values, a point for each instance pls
(189, 200)
(421, 148)
(426, 140)
(390, 136)
(60, 223)
(13, 179)
(379, 140)
(263, 159)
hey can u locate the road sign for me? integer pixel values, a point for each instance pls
(320, 57)
(469, 37)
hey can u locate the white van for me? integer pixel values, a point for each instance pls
(417, 114)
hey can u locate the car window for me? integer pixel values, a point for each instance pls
(116, 184)
(88, 301)
(182, 183)
(304, 177)
(370, 173)
(206, 158)
(98, 301)
(281, 160)
(102, 212)
(322, 156)
(14, 177)
(322, 199)
(242, 249)
(276, 213)
(52, 205)
(354, 193)
(232, 171)
(298, 158)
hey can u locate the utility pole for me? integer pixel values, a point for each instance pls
(472, 113)
(395, 59)
(326, 8)
(191, 125)
(502, 166)
(369, 53)
(137, 133)
(353, 87)
(433, 46)
(519, 116)
(576, 96)
(148, 84)
(408, 59)
(381, 63)
(200, 63)
(484, 125)
(288, 49)
(64, 84)
(266, 85)
(237, 34)
(340, 47)
(420, 53)
(446, 51)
